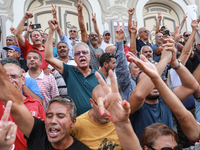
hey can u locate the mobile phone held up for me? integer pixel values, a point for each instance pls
(35, 26)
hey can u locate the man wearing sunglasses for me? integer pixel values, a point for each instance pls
(72, 39)
(186, 36)
(80, 80)
(92, 41)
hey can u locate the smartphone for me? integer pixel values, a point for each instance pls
(167, 32)
(35, 26)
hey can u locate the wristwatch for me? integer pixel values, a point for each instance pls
(175, 68)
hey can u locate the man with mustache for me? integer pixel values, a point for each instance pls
(92, 41)
(147, 51)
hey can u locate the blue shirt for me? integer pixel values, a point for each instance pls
(33, 86)
(151, 113)
(80, 87)
(125, 82)
(69, 41)
(155, 57)
(55, 53)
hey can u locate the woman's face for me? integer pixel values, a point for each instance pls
(164, 141)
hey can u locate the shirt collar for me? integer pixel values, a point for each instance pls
(41, 76)
(75, 39)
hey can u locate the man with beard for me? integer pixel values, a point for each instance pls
(95, 129)
(156, 47)
(146, 105)
(147, 52)
(36, 38)
(107, 62)
(46, 83)
(92, 41)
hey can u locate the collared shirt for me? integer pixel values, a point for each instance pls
(48, 87)
(28, 47)
(79, 87)
(69, 41)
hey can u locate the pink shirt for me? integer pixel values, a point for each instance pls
(48, 87)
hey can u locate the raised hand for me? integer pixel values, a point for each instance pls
(53, 24)
(12, 30)
(8, 129)
(119, 33)
(134, 27)
(185, 16)
(94, 17)
(194, 25)
(177, 35)
(112, 103)
(131, 11)
(28, 15)
(159, 16)
(53, 10)
(80, 5)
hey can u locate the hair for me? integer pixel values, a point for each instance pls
(34, 31)
(80, 44)
(105, 57)
(11, 36)
(73, 26)
(10, 60)
(153, 131)
(185, 32)
(19, 68)
(130, 65)
(33, 51)
(66, 100)
(145, 47)
(62, 42)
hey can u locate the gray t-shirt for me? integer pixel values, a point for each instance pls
(94, 61)
(3, 54)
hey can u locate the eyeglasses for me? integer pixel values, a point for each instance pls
(146, 31)
(177, 147)
(14, 77)
(92, 35)
(73, 31)
(94, 101)
(186, 35)
(83, 52)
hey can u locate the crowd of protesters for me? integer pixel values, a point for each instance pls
(93, 94)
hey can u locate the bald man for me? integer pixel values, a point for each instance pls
(96, 130)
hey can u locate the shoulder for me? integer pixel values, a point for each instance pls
(77, 145)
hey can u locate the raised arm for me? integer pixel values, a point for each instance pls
(19, 111)
(159, 20)
(145, 85)
(133, 38)
(188, 123)
(84, 35)
(48, 54)
(130, 15)
(119, 111)
(184, 19)
(96, 29)
(187, 49)
(19, 29)
(196, 75)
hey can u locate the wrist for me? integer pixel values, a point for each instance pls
(176, 64)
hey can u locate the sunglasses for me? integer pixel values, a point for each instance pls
(83, 52)
(92, 35)
(73, 31)
(177, 147)
(146, 31)
(186, 35)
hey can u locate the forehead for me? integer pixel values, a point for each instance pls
(187, 32)
(36, 32)
(165, 141)
(58, 107)
(93, 33)
(143, 28)
(11, 69)
(159, 34)
(107, 34)
(10, 38)
(147, 49)
(80, 48)
(31, 54)
(73, 29)
(61, 44)
(112, 59)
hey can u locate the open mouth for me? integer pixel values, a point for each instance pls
(53, 132)
(82, 59)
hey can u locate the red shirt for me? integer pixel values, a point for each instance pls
(36, 109)
(29, 47)
(126, 50)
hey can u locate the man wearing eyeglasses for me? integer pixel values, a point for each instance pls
(80, 80)
(72, 39)
(144, 35)
(186, 36)
(91, 41)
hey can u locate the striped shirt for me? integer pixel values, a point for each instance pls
(48, 87)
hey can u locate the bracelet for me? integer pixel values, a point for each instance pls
(175, 68)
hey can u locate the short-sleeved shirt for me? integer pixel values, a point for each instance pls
(38, 139)
(151, 113)
(28, 47)
(140, 44)
(94, 61)
(79, 87)
(36, 109)
(155, 57)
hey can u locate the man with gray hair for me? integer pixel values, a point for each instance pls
(10, 40)
(72, 39)
(80, 80)
(156, 47)
(147, 51)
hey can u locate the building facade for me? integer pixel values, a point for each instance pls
(107, 12)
